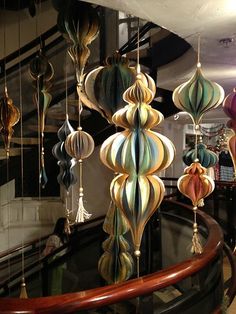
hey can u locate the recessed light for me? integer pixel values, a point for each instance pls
(226, 42)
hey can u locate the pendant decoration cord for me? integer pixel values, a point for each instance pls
(116, 263)
(135, 154)
(9, 113)
(66, 177)
(42, 72)
(78, 23)
(23, 290)
(196, 97)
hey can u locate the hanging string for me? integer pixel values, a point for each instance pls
(67, 211)
(198, 51)
(196, 142)
(66, 78)
(138, 47)
(23, 293)
(7, 157)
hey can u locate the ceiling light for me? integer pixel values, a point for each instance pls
(226, 42)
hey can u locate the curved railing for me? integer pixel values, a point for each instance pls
(98, 297)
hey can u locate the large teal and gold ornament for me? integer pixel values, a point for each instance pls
(105, 85)
(198, 95)
(206, 157)
(135, 154)
(116, 263)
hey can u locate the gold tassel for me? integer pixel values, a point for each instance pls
(23, 292)
(196, 242)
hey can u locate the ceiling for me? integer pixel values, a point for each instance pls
(213, 20)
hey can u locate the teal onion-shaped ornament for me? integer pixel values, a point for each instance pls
(206, 157)
(198, 95)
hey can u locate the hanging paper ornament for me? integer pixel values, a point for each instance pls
(79, 24)
(198, 95)
(232, 150)
(66, 163)
(80, 145)
(229, 105)
(136, 153)
(206, 157)
(9, 116)
(104, 86)
(116, 263)
(195, 185)
(42, 72)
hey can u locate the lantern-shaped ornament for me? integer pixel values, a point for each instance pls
(206, 157)
(80, 145)
(197, 96)
(136, 153)
(66, 176)
(9, 116)
(104, 86)
(79, 24)
(116, 263)
(195, 185)
(66, 163)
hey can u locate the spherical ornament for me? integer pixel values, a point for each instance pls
(79, 145)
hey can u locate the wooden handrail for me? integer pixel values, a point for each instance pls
(69, 303)
(231, 292)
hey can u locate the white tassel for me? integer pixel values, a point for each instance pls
(82, 213)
